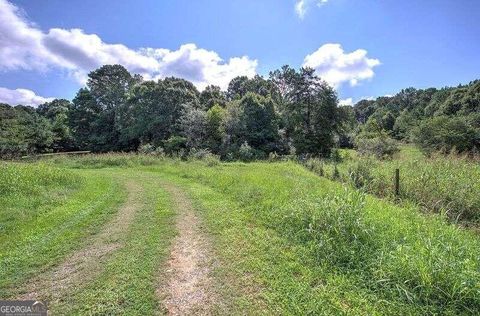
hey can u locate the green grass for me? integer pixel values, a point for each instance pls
(446, 185)
(294, 243)
(127, 285)
(42, 224)
(287, 241)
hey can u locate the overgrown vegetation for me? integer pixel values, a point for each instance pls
(447, 185)
(314, 247)
(289, 113)
(434, 119)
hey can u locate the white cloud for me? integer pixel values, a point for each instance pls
(20, 42)
(301, 6)
(200, 66)
(346, 102)
(21, 96)
(24, 46)
(336, 66)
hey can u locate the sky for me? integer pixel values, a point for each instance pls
(363, 48)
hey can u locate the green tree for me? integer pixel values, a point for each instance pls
(83, 119)
(240, 86)
(214, 128)
(212, 95)
(309, 108)
(23, 131)
(110, 86)
(443, 133)
(260, 122)
(57, 112)
(193, 126)
(155, 109)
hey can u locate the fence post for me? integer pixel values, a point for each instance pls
(397, 182)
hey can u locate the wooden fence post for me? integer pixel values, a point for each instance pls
(397, 182)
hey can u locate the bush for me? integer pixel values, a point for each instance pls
(246, 153)
(381, 147)
(360, 174)
(316, 165)
(175, 145)
(446, 134)
(146, 149)
(204, 155)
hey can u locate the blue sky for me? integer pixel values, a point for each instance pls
(363, 48)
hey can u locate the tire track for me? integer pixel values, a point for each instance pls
(189, 287)
(84, 264)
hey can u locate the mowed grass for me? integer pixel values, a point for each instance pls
(287, 242)
(294, 243)
(45, 214)
(52, 211)
(448, 185)
(129, 282)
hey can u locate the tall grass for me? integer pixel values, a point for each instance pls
(107, 160)
(110, 160)
(447, 185)
(369, 254)
(46, 211)
(27, 179)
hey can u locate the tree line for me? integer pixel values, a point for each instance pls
(291, 112)
(446, 119)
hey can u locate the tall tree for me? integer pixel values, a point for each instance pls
(57, 112)
(84, 120)
(240, 86)
(155, 109)
(212, 95)
(309, 108)
(109, 86)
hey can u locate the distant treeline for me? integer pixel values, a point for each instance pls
(435, 119)
(291, 112)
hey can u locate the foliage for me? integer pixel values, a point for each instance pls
(443, 133)
(246, 152)
(175, 145)
(291, 112)
(318, 248)
(447, 185)
(57, 112)
(373, 140)
(436, 119)
(23, 131)
(309, 108)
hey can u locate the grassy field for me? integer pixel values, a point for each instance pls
(285, 241)
(445, 185)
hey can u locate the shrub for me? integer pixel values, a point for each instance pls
(316, 165)
(445, 134)
(246, 153)
(146, 149)
(204, 155)
(159, 152)
(335, 155)
(381, 147)
(360, 174)
(175, 145)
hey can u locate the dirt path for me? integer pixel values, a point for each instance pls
(86, 263)
(189, 285)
